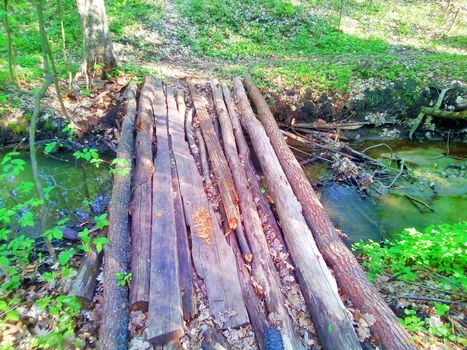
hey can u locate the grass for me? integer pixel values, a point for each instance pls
(294, 45)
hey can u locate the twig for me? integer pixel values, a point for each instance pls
(379, 145)
(414, 297)
(397, 176)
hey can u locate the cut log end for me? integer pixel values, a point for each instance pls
(166, 337)
(139, 306)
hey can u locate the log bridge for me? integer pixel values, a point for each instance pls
(189, 220)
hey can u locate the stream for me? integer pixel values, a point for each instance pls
(438, 181)
(78, 190)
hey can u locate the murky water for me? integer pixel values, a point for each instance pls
(439, 182)
(75, 189)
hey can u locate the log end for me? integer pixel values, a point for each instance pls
(166, 337)
(140, 305)
(248, 257)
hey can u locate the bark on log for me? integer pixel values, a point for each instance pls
(349, 274)
(212, 256)
(140, 208)
(270, 225)
(258, 318)
(84, 284)
(115, 314)
(218, 161)
(203, 155)
(262, 265)
(332, 321)
(438, 113)
(184, 253)
(165, 322)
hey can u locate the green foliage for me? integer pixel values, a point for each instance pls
(123, 278)
(119, 167)
(89, 154)
(440, 249)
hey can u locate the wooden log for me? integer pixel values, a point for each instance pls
(270, 225)
(348, 272)
(84, 284)
(438, 113)
(140, 208)
(218, 161)
(262, 265)
(203, 155)
(165, 322)
(113, 333)
(332, 321)
(213, 259)
(256, 312)
(184, 254)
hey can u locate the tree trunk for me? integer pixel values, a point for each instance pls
(262, 265)
(98, 49)
(348, 272)
(115, 314)
(11, 53)
(218, 161)
(141, 203)
(165, 321)
(331, 319)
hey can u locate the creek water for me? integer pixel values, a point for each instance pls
(76, 189)
(438, 180)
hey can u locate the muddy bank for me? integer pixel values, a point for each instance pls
(96, 116)
(387, 108)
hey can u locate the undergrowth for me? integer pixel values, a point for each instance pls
(436, 260)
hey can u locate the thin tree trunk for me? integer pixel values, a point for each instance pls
(115, 314)
(11, 54)
(348, 272)
(331, 319)
(35, 116)
(98, 48)
(62, 30)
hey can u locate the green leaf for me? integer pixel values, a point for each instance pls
(4, 261)
(65, 256)
(101, 221)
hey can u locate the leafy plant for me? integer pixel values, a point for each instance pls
(123, 278)
(440, 249)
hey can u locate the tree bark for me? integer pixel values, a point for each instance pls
(332, 321)
(115, 315)
(269, 223)
(218, 161)
(11, 53)
(98, 49)
(348, 272)
(262, 265)
(141, 203)
(165, 322)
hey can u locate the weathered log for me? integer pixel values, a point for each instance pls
(270, 225)
(165, 322)
(207, 180)
(140, 208)
(348, 272)
(213, 259)
(184, 254)
(113, 332)
(203, 155)
(258, 318)
(438, 113)
(218, 161)
(332, 321)
(84, 284)
(262, 265)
